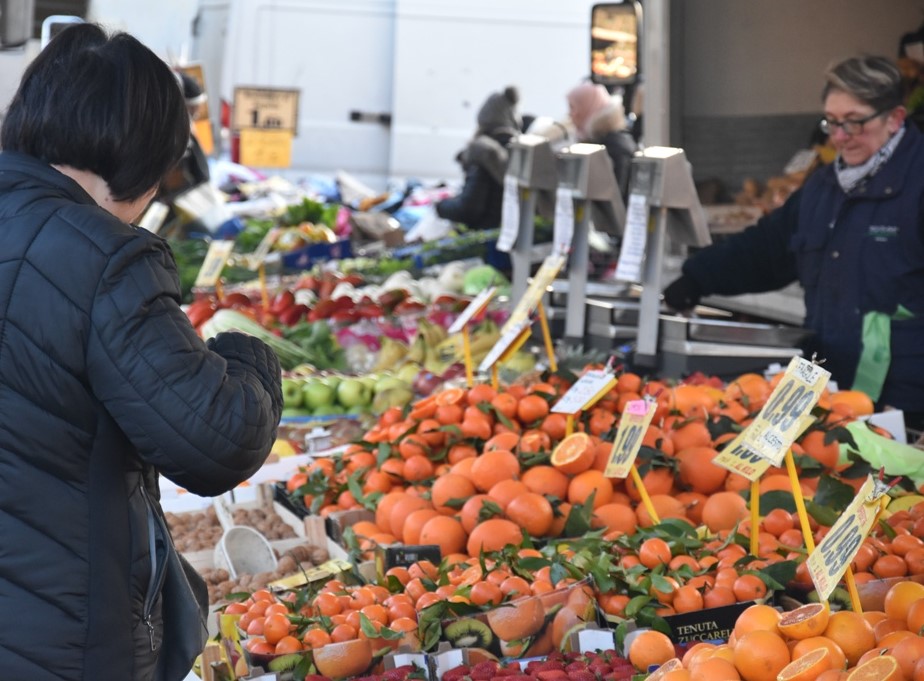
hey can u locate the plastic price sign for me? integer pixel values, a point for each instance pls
(831, 558)
(266, 148)
(634, 241)
(585, 392)
(782, 418)
(214, 263)
(546, 274)
(633, 425)
(510, 215)
(509, 342)
(257, 258)
(563, 229)
(477, 304)
(265, 108)
(739, 458)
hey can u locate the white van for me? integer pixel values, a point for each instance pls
(390, 88)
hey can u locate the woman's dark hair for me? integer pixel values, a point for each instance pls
(873, 80)
(104, 104)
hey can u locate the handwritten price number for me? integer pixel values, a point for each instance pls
(844, 543)
(581, 395)
(632, 428)
(806, 371)
(739, 458)
(781, 414)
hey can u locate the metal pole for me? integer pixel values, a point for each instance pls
(521, 255)
(578, 261)
(657, 73)
(646, 349)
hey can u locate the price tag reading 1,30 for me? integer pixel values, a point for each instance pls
(587, 390)
(831, 558)
(510, 340)
(632, 428)
(214, 263)
(781, 420)
(478, 303)
(543, 278)
(739, 458)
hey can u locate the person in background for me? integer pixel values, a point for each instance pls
(852, 236)
(599, 118)
(103, 380)
(484, 162)
(193, 168)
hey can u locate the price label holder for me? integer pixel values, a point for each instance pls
(832, 557)
(266, 148)
(532, 300)
(563, 228)
(257, 261)
(636, 417)
(509, 342)
(634, 241)
(461, 324)
(782, 418)
(585, 393)
(215, 259)
(510, 215)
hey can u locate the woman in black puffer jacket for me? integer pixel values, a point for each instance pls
(103, 381)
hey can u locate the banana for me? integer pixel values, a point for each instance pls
(418, 350)
(390, 354)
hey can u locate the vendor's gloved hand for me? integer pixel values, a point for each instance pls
(682, 294)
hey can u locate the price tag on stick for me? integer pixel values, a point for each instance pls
(477, 304)
(831, 558)
(215, 259)
(633, 425)
(585, 392)
(543, 278)
(508, 343)
(782, 418)
(737, 457)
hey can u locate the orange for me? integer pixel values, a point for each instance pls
(890, 566)
(915, 618)
(546, 480)
(479, 393)
(758, 617)
(532, 512)
(852, 633)
(692, 400)
(657, 480)
(879, 668)
(752, 390)
(689, 434)
(418, 467)
(493, 535)
(711, 668)
(749, 588)
(506, 491)
(445, 532)
(506, 404)
(907, 652)
(665, 506)
(760, 655)
(453, 489)
(697, 470)
(287, 645)
(808, 667)
(629, 383)
(858, 402)
(650, 648)
(814, 445)
(806, 645)
(275, 627)
(590, 482)
(520, 618)
(556, 425)
(401, 510)
(532, 408)
(506, 440)
(615, 517)
(485, 593)
(653, 552)
(575, 454)
(687, 598)
(723, 510)
(900, 597)
(778, 521)
(478, 508)
(805, 621)
(492, 467)
(347, 658)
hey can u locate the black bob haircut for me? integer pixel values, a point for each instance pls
(103, 104)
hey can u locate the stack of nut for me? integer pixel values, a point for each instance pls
(202, 531)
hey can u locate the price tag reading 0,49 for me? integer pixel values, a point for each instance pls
(632, 428)
(782, 418)
(830, 559)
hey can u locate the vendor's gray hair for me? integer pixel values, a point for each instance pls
(873, 80)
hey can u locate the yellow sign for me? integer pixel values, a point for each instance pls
(782, 418)
(633, 425)
(203, 132)
(741, 459)
(831, 558)
(550, 268)
(215, 259)
(265, 108)
(266, 148)
(586, 391)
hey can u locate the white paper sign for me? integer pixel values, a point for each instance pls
(478, 303)
(634, 240)
(510, 215)
(593, 384)
(506, 340)
(563, 231)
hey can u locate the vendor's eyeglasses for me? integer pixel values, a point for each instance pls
(850, 126)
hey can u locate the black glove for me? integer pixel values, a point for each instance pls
(247, 354)
(682, 294)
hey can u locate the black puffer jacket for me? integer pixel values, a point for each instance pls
(102, 381)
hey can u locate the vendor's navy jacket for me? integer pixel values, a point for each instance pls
(102, 381)
(853, 254)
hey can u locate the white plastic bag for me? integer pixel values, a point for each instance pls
(429, 228)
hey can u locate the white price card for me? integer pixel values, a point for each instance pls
(634, 240)
(258, 257)
(633, 425)
(477, 304)
(563, 230)
(831, 558)
(510, 340)
(510, 215)
(738, 458)
(154, 217)
(783, 418)
(215, 259)
(585, 392)
(541, 281)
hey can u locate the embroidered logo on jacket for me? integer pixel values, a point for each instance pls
(883, 232)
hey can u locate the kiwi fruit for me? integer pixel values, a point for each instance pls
(468, 633)
(284, 663)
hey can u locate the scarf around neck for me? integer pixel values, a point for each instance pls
(848, 177)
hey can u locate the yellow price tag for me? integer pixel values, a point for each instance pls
(215, 259)
(739, 458)
(546, 274)
(507, 344)
(585, 392)
(266, 148)
(831, 558)
(255, 259)
(633, 425)
(781, 419)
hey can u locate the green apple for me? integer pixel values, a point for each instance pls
(333, 381)
(294, 412)
(352, 392)
(318, 394)
(408, 372)
(387, 382)
(328, 410)
(292, 393)
(392, 397)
